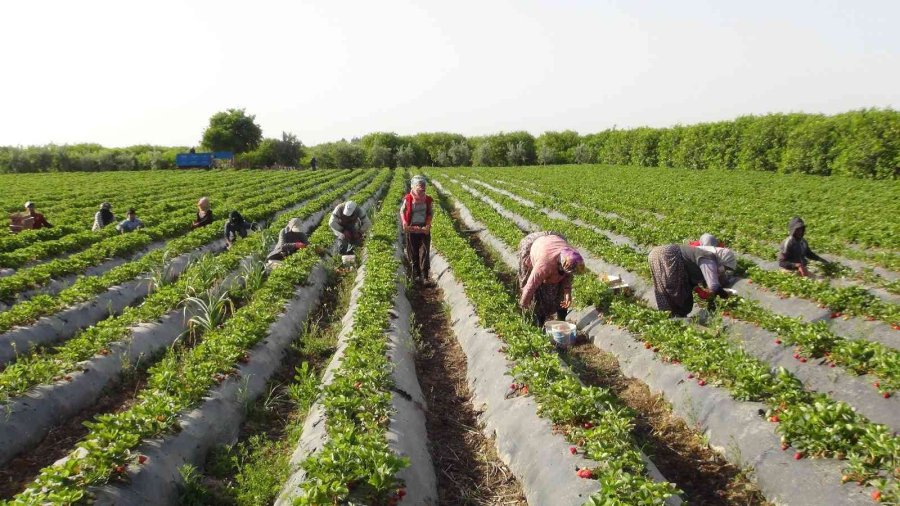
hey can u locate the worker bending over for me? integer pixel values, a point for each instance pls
(204, 213)
(349, 224)
(290, 240)
(677, 269)
(131, 223)
(235, 227)
(103, 217)
(547, 266)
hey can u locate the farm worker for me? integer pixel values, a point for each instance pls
(676, 269)
(547, 265)
(236, 226)
(290, 239)
(705, 240)
(794, 253)
(130, 224)
(415, 216)
(39, 220)
(204, 213)
(103, 217)
(314, 163)
(350, 224)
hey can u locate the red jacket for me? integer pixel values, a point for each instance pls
(406, 215)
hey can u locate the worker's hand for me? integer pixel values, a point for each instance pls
(427, 228)
(299, 245)
(802, 270)
(566, 302)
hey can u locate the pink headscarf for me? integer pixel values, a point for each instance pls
(570, 260)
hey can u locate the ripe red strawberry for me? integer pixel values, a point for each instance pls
(585, 474)
(701, 383)
(142, 459)
(886, 395)
(803, 360)
(831, 364)
(357, 385)
(750, 281)
(774, 418)
(525, 389)
(690, 376)
(647, 345)
(778, 341)
(726, 313)
(587, 425)
(655, 350)
(573, 450)
(119, 469)
(798, 455)
(401, 493)
(68, 378)
(835, 314)
(877, 384)
(785, 446)
(104, 351)
(876, 495)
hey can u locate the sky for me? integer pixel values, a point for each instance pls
(120, 73)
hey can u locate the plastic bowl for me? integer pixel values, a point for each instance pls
(561, 332)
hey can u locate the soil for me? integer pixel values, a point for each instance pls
(678, 451)
(465, 460)
(274, 416)
(60, 441)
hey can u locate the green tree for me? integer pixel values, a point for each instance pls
(232, 130)
(460, 154)
(379, 155)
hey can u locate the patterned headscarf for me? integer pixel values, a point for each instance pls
(570, 260)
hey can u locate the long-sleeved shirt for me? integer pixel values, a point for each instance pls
(702, 267)
(129, 225)
(795, 251)
(233, 230)
(545, 267)
(358, 222)
(204, 220)
(286, 244)
(40, 221)
(99, 222)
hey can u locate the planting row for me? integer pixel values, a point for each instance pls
(590, 418)
(815, 340)
(116, 246)
(153, 206)
(818, 426)
(182, 378)
(87, 287)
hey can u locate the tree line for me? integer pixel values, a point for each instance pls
(864, 143)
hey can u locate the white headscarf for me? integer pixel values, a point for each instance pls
(724, 256)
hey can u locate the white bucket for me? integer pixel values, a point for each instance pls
(562, 333)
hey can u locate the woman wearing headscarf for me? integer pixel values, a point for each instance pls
(794, 253)
(415, 216)
(290, 240)
(204, 213)
(103, 217)
(677, 269)
(547, 265)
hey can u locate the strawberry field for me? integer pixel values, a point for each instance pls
(159, 367)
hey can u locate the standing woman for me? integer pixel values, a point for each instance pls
(204, 213)
(415, 215)
(677, 269)
(103, 217)
(547, 265)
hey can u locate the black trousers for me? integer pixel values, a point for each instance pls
(418, 252)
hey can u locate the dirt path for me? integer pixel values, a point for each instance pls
(467, 466)
(22, 470)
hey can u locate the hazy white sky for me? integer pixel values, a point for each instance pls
(133, 72)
